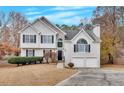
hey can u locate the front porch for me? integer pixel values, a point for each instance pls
(53, 56)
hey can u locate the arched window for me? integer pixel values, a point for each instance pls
(60, 42)
(81, 41)
(82, 46)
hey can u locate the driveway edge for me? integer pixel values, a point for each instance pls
(63, 82)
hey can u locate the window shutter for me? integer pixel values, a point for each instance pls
(33, 52)
(89, 48)
(77, 48)
(74, 48)
(34, 38)
(26, 53)
(41, 38)
(23, 38)
(52, 38)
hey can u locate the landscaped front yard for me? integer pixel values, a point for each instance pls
(38, 74)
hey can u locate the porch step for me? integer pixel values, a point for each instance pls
(60, 65)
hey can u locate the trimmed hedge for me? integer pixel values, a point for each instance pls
(24, 60)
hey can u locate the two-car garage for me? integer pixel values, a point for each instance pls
(87, 62)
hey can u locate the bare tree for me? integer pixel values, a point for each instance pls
(4, 30)
(109, 17)
(18, 21)
(10, 25)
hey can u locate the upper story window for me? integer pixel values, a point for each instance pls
(82, 46)
(81, 41)
(47, 39)
(29, 38)
(60, 43)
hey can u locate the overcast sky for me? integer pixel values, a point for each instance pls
(57, 14)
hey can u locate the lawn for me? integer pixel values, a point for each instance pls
(33, 75)
(113, 67)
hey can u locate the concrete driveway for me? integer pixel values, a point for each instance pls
(94, 77)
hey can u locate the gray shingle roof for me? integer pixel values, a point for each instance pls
(93, 36)
(70, 34)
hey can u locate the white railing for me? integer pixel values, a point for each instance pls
(82, 48)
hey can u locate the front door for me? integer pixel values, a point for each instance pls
(59, 55)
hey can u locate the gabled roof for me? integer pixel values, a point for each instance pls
(28, 25)
(46, 21)
(71, 34)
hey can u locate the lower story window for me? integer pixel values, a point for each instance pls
(30, 52)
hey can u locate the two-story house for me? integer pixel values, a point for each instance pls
(79, 47)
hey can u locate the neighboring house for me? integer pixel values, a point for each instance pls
(79, 47)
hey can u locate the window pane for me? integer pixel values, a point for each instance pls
(44, 39)
(30, 53)
(60, 44)
(82, 41)
(47, 38)
(29, 38)
(82, 48)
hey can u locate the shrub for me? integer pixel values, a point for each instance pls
(24, 60)
(71, 65)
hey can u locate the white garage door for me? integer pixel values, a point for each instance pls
(78, 62)
(85, 62)
(92, 62)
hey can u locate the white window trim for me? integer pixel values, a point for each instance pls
(83, 50)
(29, 39)
(60, 41)
(30, 52)
(47, 39)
